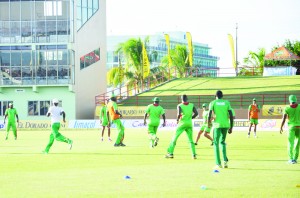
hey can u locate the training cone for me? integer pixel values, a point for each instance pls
(127, 177)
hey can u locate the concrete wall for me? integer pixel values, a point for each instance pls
(91, 80)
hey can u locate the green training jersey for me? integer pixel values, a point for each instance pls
(103, 113)
(154, 114)
(220, 108)
(186, 114)
(205, 116)
(11, 114)
(293, 115)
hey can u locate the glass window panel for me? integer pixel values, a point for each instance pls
(62, 56)
(97, 53)
(84, 14)
(63, 72)
(59, 8)
(62, 27)
(4, 30)
(41, 58)
(5, 105)
(40, 27)
(15, 29)
(26, 28)
(26, 7)
(51, 27)
(44, 106)
(33, 108)
(4, 14)
(95, 5)
(15, 11)
(90, 12)
(5, 58)
(65, 10)
(52, 72)
(16, 75)
(27, 76)
(26, 58)
(48, 8)
(39, 10)
(16, 58)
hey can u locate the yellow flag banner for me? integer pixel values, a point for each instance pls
(168, 46)
(146, 63)
(190, 46)
(231, 43)
(273, 110)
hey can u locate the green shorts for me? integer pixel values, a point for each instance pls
(152, 129)
(104, 122)
(205, 128)
(253, 121)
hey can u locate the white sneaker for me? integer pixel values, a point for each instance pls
(248, 136)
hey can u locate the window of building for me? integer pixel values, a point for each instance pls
(38, 108)
(85, 10)
(90, 58)
(4, 106)
(52, 8)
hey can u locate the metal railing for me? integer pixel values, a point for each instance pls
(237, 101)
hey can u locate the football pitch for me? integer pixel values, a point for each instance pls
(257, 167)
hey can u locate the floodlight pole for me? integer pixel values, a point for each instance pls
(236, 50)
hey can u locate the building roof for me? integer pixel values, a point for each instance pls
(281, 53)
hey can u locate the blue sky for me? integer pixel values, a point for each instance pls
(261, 23)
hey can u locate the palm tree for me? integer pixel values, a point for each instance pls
(256, 59)
(180, 59)
(132, 72)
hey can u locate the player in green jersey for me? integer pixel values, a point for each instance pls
(221, 125)
(185, 113)
(292, 112)
(104, 120)
(204, 128)
(155, 111)
(11, 114)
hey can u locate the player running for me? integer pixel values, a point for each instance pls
(204, 128)
(185, 113)
(292, 112)
(55, 112)
(155, 111)
(221, 108)
(104, 120)
(11, 114)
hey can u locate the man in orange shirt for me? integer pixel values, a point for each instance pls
(114, 115)
(253, 111)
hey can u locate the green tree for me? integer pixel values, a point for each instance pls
(180, 59)
(132, 72)
(256, 59)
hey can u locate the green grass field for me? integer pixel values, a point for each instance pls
(229, 85)
(257, 167)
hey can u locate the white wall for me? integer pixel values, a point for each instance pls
(90, 81)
